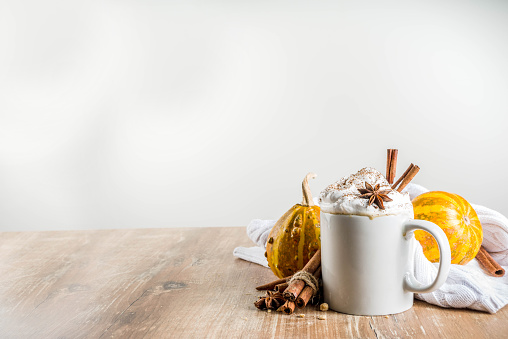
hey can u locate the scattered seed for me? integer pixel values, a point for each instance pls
(321, 317)
(269, 311)
(387, 317)
(323, 307)
(300, 315)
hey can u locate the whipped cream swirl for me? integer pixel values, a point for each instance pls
(343, 197)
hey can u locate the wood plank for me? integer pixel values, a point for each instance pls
(158, 283)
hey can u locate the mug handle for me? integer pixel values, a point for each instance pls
(410, 282)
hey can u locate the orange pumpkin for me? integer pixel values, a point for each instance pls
(295, 237)
(457, 219)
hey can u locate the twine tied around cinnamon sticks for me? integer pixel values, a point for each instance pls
(296, 290)
(309, 279)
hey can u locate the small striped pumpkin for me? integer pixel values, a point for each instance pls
(457, 219)
(295, 237)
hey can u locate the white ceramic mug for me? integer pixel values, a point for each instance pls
(367, 266)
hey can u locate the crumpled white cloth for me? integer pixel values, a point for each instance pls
(467, 286)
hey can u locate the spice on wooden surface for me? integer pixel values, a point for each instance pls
(288, 307)
(260, 303)
(323, 307)
(307, 292)
(271, 285)
(272, 301)
(296, 286)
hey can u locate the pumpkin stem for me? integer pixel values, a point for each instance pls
(307, 194)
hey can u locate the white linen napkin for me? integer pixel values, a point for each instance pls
(467, 286)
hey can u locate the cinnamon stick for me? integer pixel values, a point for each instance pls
(394, 186)
(288, 307)
(281, 287)
(271, 285)
(296, 287)
(307, 292)
(406, 178)
(391, 164)
(293, 290)
(490, 265)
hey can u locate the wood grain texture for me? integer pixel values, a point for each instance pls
(177, 283)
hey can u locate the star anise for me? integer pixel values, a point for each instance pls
(375, 195)
(272, 301)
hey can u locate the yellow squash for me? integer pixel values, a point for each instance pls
(457, 219)
(295, 237)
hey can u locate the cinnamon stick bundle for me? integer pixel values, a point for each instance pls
(293, 290)
(296, 286)
(391, 164)
(307, 292)
(490, 265)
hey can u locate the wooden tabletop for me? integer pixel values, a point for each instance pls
(172, 283)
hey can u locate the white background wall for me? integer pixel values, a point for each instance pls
(119, 114)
